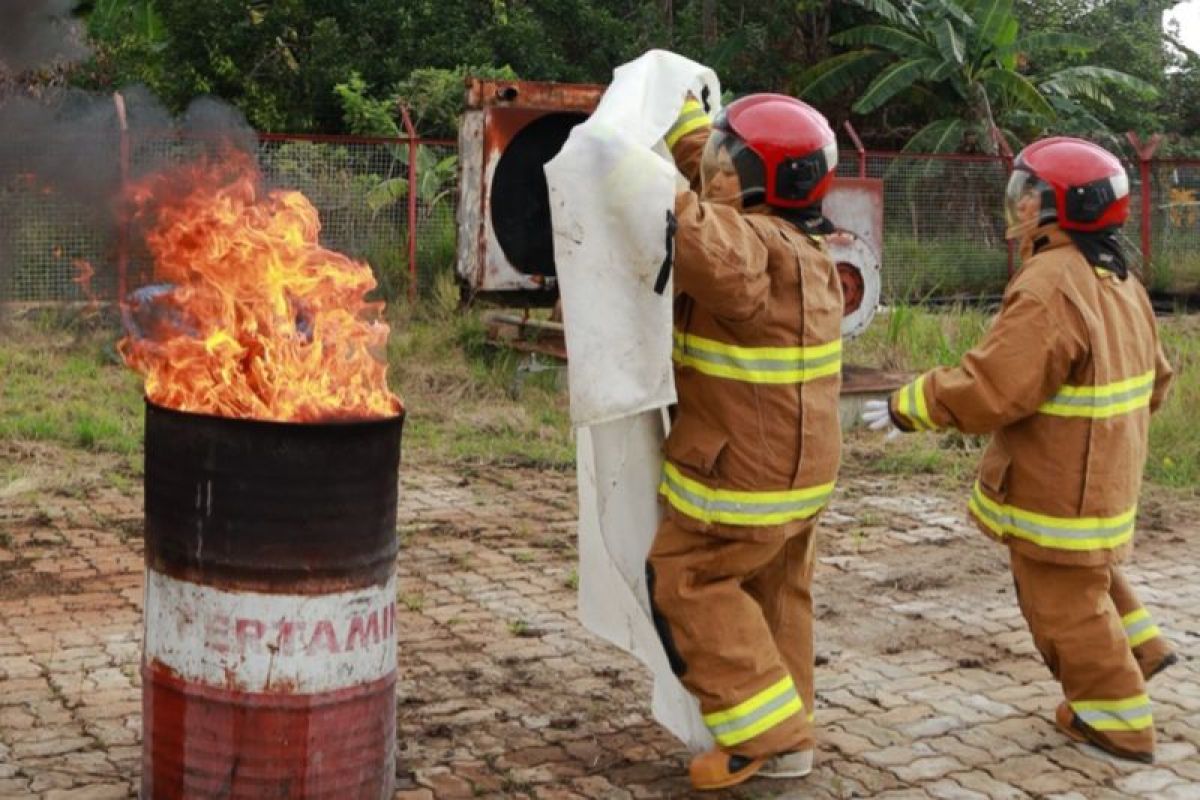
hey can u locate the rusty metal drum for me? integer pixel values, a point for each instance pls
(269, 661)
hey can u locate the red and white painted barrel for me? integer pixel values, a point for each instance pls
(269, 661)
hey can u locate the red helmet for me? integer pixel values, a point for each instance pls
(782, 149)
(1080, 185)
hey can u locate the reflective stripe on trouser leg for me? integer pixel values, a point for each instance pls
(1149, 646)
(784, 591)
(746, 692)
(1077, 629)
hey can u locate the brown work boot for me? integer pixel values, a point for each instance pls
(1077, 730)
(1167, 660)
(718, 769)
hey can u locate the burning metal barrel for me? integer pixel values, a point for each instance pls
(269, 662)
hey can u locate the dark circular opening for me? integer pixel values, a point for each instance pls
(520, 200)
(854, 287)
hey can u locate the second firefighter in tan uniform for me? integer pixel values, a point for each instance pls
(753, 450)
(1066, 380)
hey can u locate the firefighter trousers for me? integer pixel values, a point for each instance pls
(735, 616)
(1150, 647)
(1075, 614)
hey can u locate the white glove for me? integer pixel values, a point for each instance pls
(877, 417)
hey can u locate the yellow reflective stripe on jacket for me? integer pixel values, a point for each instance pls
(691, 117)
(772, 365)
(1139, 627)
(1129, 714)
(910, 402)
(1061, 533)
(694, 499)
(1102, 402)
(757, 715)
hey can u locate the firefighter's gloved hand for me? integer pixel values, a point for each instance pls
(692, 116)
(877, 417)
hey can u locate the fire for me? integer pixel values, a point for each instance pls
(247, 315)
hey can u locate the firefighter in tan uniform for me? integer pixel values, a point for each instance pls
(754, 446)
(1065, 381)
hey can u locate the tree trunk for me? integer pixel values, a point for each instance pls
(708, 18)
(983, 115)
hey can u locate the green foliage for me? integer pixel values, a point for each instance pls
(129, 40)
(363, 115)
(341, 65)
(434, 96)
(964, 62)
(1131, 39)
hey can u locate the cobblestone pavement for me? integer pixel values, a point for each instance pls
(928, 685)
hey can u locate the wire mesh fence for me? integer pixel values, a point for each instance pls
(48, 237)
(1175, 226)
(943, 231)
(943, 218)
(51, 242)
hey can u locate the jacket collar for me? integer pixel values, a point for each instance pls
(1041, 239)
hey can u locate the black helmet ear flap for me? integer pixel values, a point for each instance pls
(1087, 203)
(795, 178)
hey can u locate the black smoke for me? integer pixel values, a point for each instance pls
(70, 143)
(39, 33)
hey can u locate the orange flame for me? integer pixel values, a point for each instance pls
(249, 316)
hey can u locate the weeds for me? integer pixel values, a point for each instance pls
(413, 602)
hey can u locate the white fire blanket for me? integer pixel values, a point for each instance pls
(610, 189)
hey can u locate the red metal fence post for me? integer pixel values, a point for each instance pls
(1145, 152)
(413, 144)
(858, 145)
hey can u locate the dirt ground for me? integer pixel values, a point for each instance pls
(928, 684)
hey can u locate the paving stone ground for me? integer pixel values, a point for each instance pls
(927, 685)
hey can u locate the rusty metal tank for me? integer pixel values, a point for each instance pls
(509, 130)
(269, 662)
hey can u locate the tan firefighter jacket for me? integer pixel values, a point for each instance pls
(755, 442)
(1065, 380)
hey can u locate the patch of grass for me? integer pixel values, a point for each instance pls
(518, 627)
(917, 268)
(908, 337)
(572, 580)
(63, 387)
(58, 388)
(1176, 267)
(458, 391)
(1175, 430)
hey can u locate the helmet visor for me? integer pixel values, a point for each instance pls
(730, 172)
(1024, 200)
